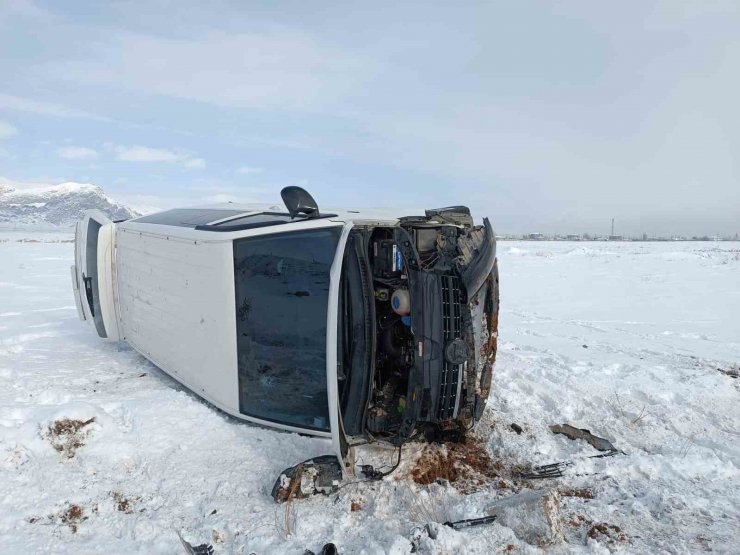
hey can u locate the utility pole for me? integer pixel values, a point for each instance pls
(612, 226)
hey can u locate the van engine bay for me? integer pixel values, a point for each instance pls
(433, 343)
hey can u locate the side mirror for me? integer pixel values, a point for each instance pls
(318, 475)
(299, 201)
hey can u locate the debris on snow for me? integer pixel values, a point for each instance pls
(202, 549)
(534, 516)
(732, 371)
(318, 475)
(557, 470)
(328, 549)
(571, 432)
(470, 522)
(467, 466)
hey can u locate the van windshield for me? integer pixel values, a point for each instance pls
(282, 293)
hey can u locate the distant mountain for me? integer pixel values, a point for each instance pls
(55, 206)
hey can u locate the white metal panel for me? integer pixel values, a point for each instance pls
(177, 308)
(107, 281)
(332, 321)
(234, 217)
(176, 301)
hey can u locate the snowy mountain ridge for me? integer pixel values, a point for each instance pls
(46, 206)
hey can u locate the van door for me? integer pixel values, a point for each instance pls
(93, 272)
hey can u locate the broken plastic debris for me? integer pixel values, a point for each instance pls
(534, 516)
(572, 432)
(318, 475)
(556, 470)
(202, 549)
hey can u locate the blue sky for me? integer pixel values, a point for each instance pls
(549, 116)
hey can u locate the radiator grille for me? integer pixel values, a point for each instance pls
(452, 329)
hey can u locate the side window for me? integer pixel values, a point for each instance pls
(281, 298)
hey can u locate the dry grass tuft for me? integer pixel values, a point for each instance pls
(124, 504)
(578, 520)
(67, 435)
(72, 516)
(583, 493)
(607, 533)
(624, 409)
(288, 524)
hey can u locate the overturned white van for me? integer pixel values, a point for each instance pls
(337, 325)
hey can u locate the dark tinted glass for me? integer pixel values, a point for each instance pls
(187, 217)
(282, 292)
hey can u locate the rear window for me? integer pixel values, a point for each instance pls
(282, 295)
(188, 217)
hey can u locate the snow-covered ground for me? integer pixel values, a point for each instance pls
(626, 339)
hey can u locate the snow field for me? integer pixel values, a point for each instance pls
(624, 339)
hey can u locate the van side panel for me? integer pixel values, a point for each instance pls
(176, 302)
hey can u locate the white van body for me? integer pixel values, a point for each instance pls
(165, 284)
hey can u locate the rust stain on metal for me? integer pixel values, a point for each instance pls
(490, 347)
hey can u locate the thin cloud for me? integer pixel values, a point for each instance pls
(248, 170)
(77, 153)
(282, 69)
(31, 106)
(195, 163)
(605, 125)
(138, 153)
(7, 130)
